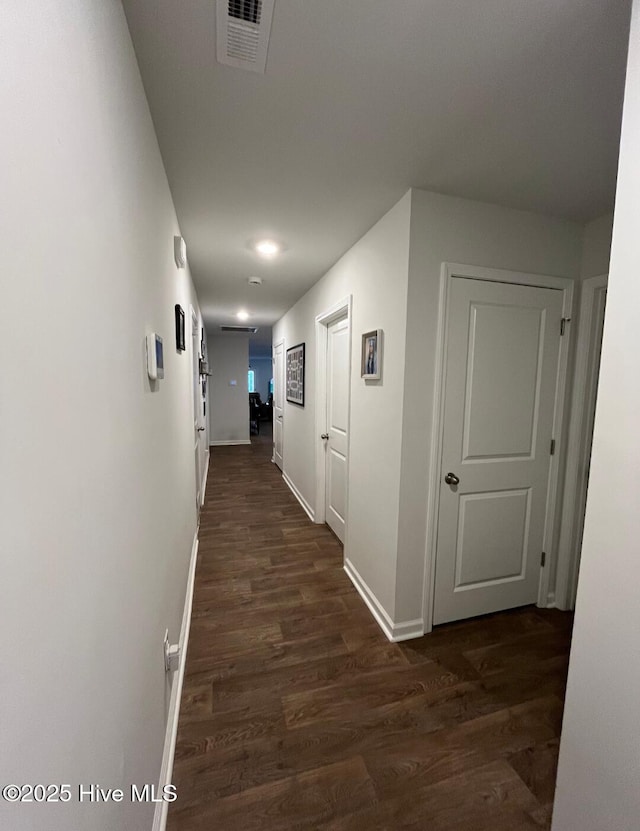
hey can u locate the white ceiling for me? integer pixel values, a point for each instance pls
(516, 102)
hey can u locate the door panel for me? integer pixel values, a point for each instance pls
(278, 403)
(500, 378)
(504, 343)
(482, 557)
(337, 425)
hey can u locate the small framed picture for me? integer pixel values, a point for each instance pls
(295, 375)
(372, 355)
(180, 343)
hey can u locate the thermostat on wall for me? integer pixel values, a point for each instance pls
(155, 357)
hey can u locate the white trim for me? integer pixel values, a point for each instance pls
(500, 275)
(203, 483)
(545, 594)
(335, 312)
(437, 426)
(294, 490)
(578, 445)
(196, 395)
(274, 346)
(171, 733)
(394, 631)
(230, 443)
(448, 272)
(407, 630)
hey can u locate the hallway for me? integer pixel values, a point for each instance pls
(171, 219)
(297, 713)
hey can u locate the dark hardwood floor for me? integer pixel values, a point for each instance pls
(297, 713)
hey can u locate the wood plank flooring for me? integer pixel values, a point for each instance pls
(297, 713)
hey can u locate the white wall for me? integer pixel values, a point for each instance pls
(596, 247)
(263, 368)
(447, 229)
(97, 491)
(228, 403)
(374, 272)
(599, 758)
(391, 423)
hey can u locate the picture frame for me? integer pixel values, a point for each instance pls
(295, 375)
(371, 362)
(180, 336)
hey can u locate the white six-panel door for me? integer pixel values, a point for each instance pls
(337, 425)
(501, 369)
(278, 402)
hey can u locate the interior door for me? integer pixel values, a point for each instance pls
(278, 402)
(337, 429)
(501, 370)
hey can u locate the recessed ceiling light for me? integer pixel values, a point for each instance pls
(242, 316)
(267, 247)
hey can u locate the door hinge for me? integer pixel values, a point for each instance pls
(563, 323)
(543, 559)
(552, 449)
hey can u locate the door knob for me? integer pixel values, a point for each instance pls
(324, 436)
(451, 479)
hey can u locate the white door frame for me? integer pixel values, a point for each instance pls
(196, 395)
(447, 273)
(585, 383)
(274, 346)
(339, 310)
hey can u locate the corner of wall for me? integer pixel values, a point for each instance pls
(412, 520)
(596, 246)
(402, 631)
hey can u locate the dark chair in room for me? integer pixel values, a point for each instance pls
(259, 408)
(266, 410)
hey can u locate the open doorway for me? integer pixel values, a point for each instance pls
(278, 404)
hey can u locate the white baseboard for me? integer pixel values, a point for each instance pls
(394, 631)
(294, 490)
(230, 443)
(407, 630)
(166, 770)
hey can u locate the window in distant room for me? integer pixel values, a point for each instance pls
(252, 381)
(271, 387)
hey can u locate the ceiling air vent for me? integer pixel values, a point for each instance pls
(243, 28)
(248, 330)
